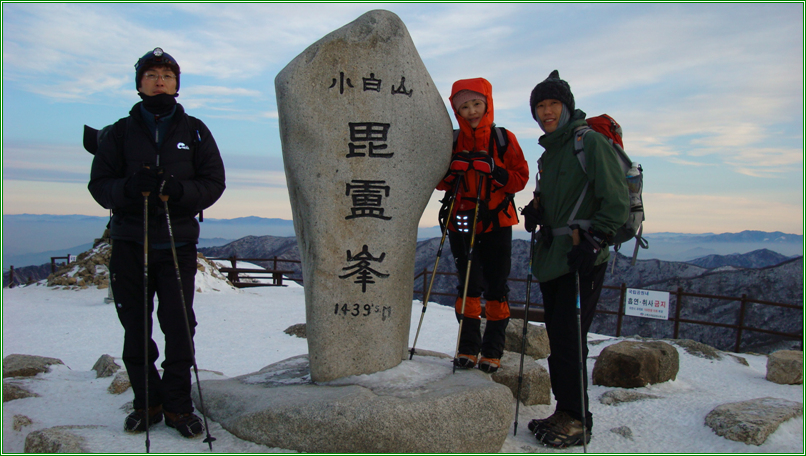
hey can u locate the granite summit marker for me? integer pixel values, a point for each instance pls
(366, 137)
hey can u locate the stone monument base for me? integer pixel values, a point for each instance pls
(419, 406)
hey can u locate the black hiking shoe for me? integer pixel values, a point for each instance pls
(465, 361)
(561, 431)
(188, 424)
(136, 421)
(535, 424)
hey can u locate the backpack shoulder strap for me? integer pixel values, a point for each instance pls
(579, 145)
(579, 152)
(501, 138)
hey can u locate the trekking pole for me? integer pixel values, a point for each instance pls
(525, 322)
(467, 272)
(146, 313)
(575, 237)
(209, 439)
(436, 264)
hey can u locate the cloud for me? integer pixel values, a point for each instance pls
(57, 163)
(701, 213)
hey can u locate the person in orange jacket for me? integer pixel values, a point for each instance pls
(489, 158)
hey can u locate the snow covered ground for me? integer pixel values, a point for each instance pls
(241, 331)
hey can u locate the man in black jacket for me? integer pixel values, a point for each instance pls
(158, 151)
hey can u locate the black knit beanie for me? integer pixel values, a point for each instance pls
(157, 57)
(552, 88)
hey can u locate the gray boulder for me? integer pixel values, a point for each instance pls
(366, 138)
(616, 397)
(631, 364)
(537, 340)
(416, 407)
(752, 421)
(20, 421)
(120, 383)
(58, 439)
(536, 384)
(785, 367)
(12, 391)
(27, 365)
(105, 366)
(297, 330)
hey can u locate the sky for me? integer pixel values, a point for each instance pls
(709, 95)
(241, 331)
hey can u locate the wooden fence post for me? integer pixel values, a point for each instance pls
(678, 307)
(740, 323)
(622, 300)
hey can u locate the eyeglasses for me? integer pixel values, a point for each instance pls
(154, 77)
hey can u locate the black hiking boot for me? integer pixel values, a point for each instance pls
(465, 361)
(560, 430)
(136, 421)
(188, 424)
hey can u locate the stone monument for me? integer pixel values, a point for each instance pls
(366, 137)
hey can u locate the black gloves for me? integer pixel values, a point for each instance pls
(582, 256)
(532, 217)
(171, 187)
(144, 180)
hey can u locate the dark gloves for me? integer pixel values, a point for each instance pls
(171, 187)
(144, 180)
(583, 255)
(500, 176)
(532, 217)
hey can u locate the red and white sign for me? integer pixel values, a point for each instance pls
(647, 304)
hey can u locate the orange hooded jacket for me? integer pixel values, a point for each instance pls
(478, 140)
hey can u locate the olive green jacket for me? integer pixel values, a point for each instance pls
(562, 180)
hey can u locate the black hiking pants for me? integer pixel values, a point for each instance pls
(172, 390)
(559, 301)
(489, 270)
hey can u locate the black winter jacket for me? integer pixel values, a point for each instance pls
(188, 153)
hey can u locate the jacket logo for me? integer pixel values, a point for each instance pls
(182, 146)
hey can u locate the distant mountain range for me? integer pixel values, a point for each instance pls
(30, 239)
(762, 275)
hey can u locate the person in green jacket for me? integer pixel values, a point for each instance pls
(571, 249)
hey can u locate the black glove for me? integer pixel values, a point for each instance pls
(531, 216)
(144, 180)
(583, 255)
(171, 187)
(500, 176)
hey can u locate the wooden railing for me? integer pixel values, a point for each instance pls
(276, 275)
(536, 313)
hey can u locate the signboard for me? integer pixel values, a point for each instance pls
(647, 304)
(71, 258)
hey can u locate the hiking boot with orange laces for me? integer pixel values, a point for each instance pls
(489, 365)
(465, 361)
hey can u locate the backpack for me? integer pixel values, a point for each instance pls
(500, 141)
(633, 173)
